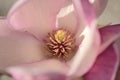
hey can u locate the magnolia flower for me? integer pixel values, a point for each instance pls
(57, 40)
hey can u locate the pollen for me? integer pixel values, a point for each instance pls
(60, 44)
(60, 36)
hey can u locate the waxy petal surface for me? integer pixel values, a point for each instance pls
(17, 48)
(35, 16)
(44, 70)
(86, 54)
(108, 34)
(106, 65)
(87, 51)
(66, 17)
(35, 21)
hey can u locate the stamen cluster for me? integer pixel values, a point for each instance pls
(60, 44)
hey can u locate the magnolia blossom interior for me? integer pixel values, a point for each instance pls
(41, 21)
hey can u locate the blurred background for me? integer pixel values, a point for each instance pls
(5, 5)
(111, 15)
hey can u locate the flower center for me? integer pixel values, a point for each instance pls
(60, 44)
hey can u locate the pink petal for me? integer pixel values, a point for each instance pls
(68, 17)
(86, 54)
(88, 49)
(106, 65)
(109, 34)
(85, 11)
(85, 15)
(35, 16)
(16, 47)
(44, 70)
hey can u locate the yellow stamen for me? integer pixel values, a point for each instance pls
(60, 44)
(60, 36)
